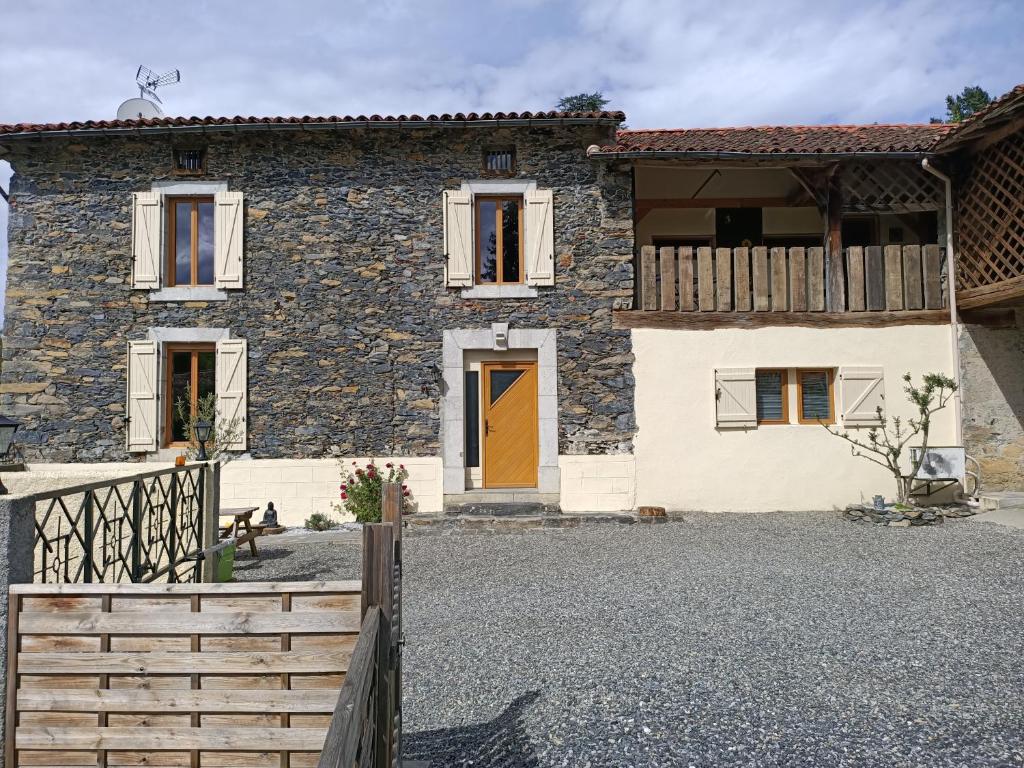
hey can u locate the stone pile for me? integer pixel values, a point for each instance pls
(902, 516)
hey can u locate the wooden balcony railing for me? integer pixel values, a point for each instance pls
(907, 280)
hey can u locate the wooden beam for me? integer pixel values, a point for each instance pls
(835, 295)
(645, 206)
(711, 320)
(1005, 292)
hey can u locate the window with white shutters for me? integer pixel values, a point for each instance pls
(862, 393)
(735, 397)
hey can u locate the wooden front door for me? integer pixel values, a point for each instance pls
(510, 425)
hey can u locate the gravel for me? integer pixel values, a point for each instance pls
(725, 640)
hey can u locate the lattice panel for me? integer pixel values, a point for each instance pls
(897, 187)
(990, 212)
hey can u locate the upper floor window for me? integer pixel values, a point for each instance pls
(499, 241)
(189, 162)
(190, 240)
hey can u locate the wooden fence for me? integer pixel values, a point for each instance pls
(367, 724)
(762, 279)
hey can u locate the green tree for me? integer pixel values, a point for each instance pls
(582, 102)
(965, 104)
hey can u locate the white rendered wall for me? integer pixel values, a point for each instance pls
(598, 483)
(684, 463)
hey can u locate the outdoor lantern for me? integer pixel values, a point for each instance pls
(202, 430)
(7, 429)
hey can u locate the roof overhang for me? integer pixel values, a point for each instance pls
(789, 157)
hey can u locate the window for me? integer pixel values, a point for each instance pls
(189, 162)
(772, 396)
(499, 239)
(500, 161)
(191, 371)
(815, 399)
(190, 241)
(472, 416)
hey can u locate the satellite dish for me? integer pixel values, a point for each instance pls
(138, 109)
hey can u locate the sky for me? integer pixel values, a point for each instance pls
(688, 63)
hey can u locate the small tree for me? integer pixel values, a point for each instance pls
(964, 104)
(582, 102)
(888, 444)
(224, 432)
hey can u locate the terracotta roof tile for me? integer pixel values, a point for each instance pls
(173, 122)
(782, 139)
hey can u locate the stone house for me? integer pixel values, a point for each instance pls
(516, 306)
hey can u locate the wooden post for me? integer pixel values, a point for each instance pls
(211, 519)
(391, 512)
(378, 582)
(835, 296)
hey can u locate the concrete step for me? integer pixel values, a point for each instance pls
(1000, 499)
(510, 523)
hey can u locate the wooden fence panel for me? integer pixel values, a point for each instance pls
(667, 259)
(760, 278)
(780, 300)
(686, 279)
(893, 277)
(912, 286)
(932, 269)
(648, 278)
(705, 280)
(874, 276)
(797, 280)
(723, 264)
(855, 278)
(741, 275)
(816, 279)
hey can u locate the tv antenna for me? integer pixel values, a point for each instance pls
(149, 81)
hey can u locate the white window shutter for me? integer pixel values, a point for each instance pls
(232, 385)
(735, 397)
(862, 393)
(458, 238)
(539, 235)
(227, 240)
(142, 410)
(147, 239)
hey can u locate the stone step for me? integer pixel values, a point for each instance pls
(501, 509)
(509, 523)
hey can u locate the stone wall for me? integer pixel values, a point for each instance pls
(344, 301)
(992, 365)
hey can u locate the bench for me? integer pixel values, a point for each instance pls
(240, 674)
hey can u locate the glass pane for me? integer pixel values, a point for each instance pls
(814, 400)
(205, 250)
(769, 396)
(510, 241)
(183, 243)
(181, 380)
(472, 406)
(501, 381)
(207, 371)
(488, 245)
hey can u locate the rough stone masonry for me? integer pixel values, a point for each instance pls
(344, 301)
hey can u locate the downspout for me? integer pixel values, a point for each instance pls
(951, 290)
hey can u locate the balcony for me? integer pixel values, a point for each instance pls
(703, 287)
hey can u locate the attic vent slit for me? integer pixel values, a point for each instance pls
(500, 160)
(190, 162)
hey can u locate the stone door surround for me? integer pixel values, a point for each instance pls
(500, 338)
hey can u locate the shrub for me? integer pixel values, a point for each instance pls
(362, 489)
(318, 521)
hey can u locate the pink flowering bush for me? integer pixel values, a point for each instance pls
(362, 489)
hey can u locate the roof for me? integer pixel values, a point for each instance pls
(306, 122)
(1007, 107)
(780, 140)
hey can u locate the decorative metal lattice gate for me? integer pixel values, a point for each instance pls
(141, 528)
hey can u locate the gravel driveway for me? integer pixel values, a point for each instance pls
(724, 640)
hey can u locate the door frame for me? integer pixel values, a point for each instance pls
(532, 418)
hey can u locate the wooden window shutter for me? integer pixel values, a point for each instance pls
(539, 249)
(227, 240)
(735, 397)
(458, 239)
(142, 410)
(232, 386)
(862, 393)
(147, 239)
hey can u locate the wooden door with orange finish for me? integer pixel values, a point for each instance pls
(510, 425)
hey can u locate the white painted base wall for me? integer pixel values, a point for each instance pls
(684, 463)
(598, 483)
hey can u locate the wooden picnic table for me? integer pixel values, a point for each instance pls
(241, 517)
